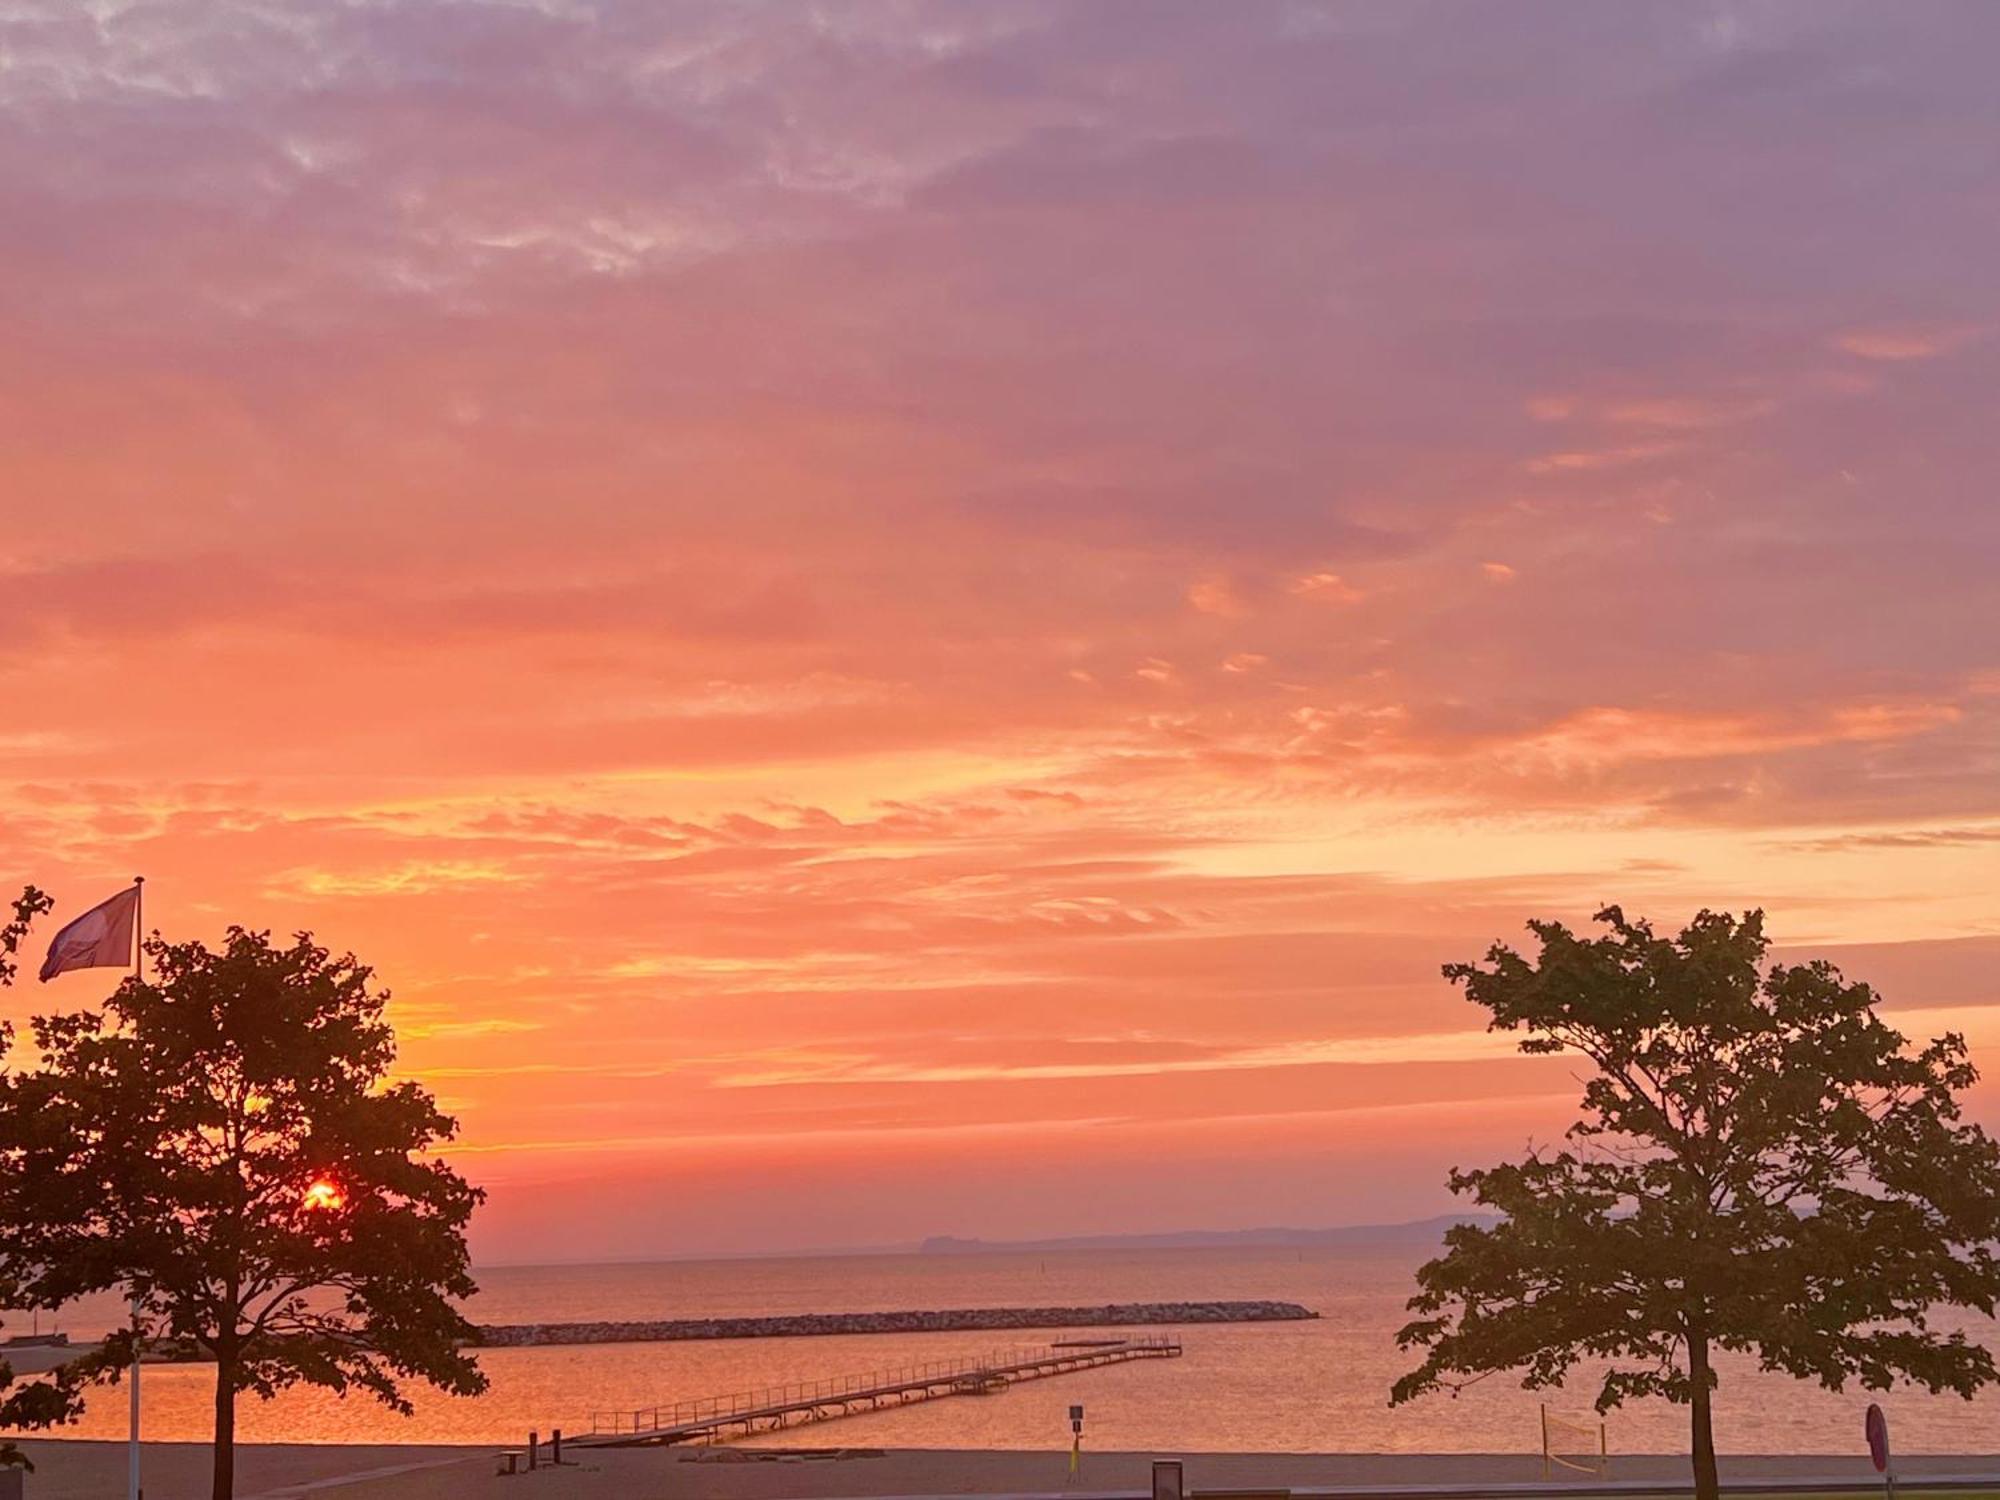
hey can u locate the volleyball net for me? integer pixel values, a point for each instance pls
(1575, 1443)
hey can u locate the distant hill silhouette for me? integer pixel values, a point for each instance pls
(1416, 1232)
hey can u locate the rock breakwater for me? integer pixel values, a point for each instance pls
(953, 1320)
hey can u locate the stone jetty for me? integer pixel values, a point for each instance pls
(954, 1320)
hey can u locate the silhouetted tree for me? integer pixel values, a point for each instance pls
(1763, 1166)
(223, 1141)
(40, 1404)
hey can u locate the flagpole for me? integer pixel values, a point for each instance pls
(132, 1490)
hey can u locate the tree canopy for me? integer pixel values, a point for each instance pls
(224, 1140)
(31, 1406)
(1763, 1165)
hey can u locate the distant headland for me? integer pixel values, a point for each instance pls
(1416, 1231)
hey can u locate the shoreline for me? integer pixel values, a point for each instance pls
(81, 1469)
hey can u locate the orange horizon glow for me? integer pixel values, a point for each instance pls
(933, 621)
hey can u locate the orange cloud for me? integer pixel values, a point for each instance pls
(820, 618)
(1899, 344)
(1326, 588)
(1215, 596)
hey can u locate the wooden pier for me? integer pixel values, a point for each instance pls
(716, 1419)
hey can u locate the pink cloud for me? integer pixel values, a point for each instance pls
(962, 543)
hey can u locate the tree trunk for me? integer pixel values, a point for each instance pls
(1706, 1485)
(225, 1430)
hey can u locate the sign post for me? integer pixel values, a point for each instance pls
(1076, 1439)
(1877, 1428)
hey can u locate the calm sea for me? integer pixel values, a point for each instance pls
(1298, 1387)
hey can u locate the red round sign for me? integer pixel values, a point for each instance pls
(1878, 1438)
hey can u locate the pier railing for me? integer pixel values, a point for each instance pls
(805, 1398)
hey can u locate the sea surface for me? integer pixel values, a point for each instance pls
(1318, 1386)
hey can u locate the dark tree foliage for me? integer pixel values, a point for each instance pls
(1763, 1166)
(37, 1405)
(223, 1140)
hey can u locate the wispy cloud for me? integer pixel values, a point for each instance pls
(972, 567)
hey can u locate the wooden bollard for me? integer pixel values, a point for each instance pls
(533, 1439)
(555, 1447)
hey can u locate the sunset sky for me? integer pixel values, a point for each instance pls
(891, 619)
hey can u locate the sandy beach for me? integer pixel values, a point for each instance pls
(179, 1471)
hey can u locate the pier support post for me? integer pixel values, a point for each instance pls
(555, 1447)
(534, 1439)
